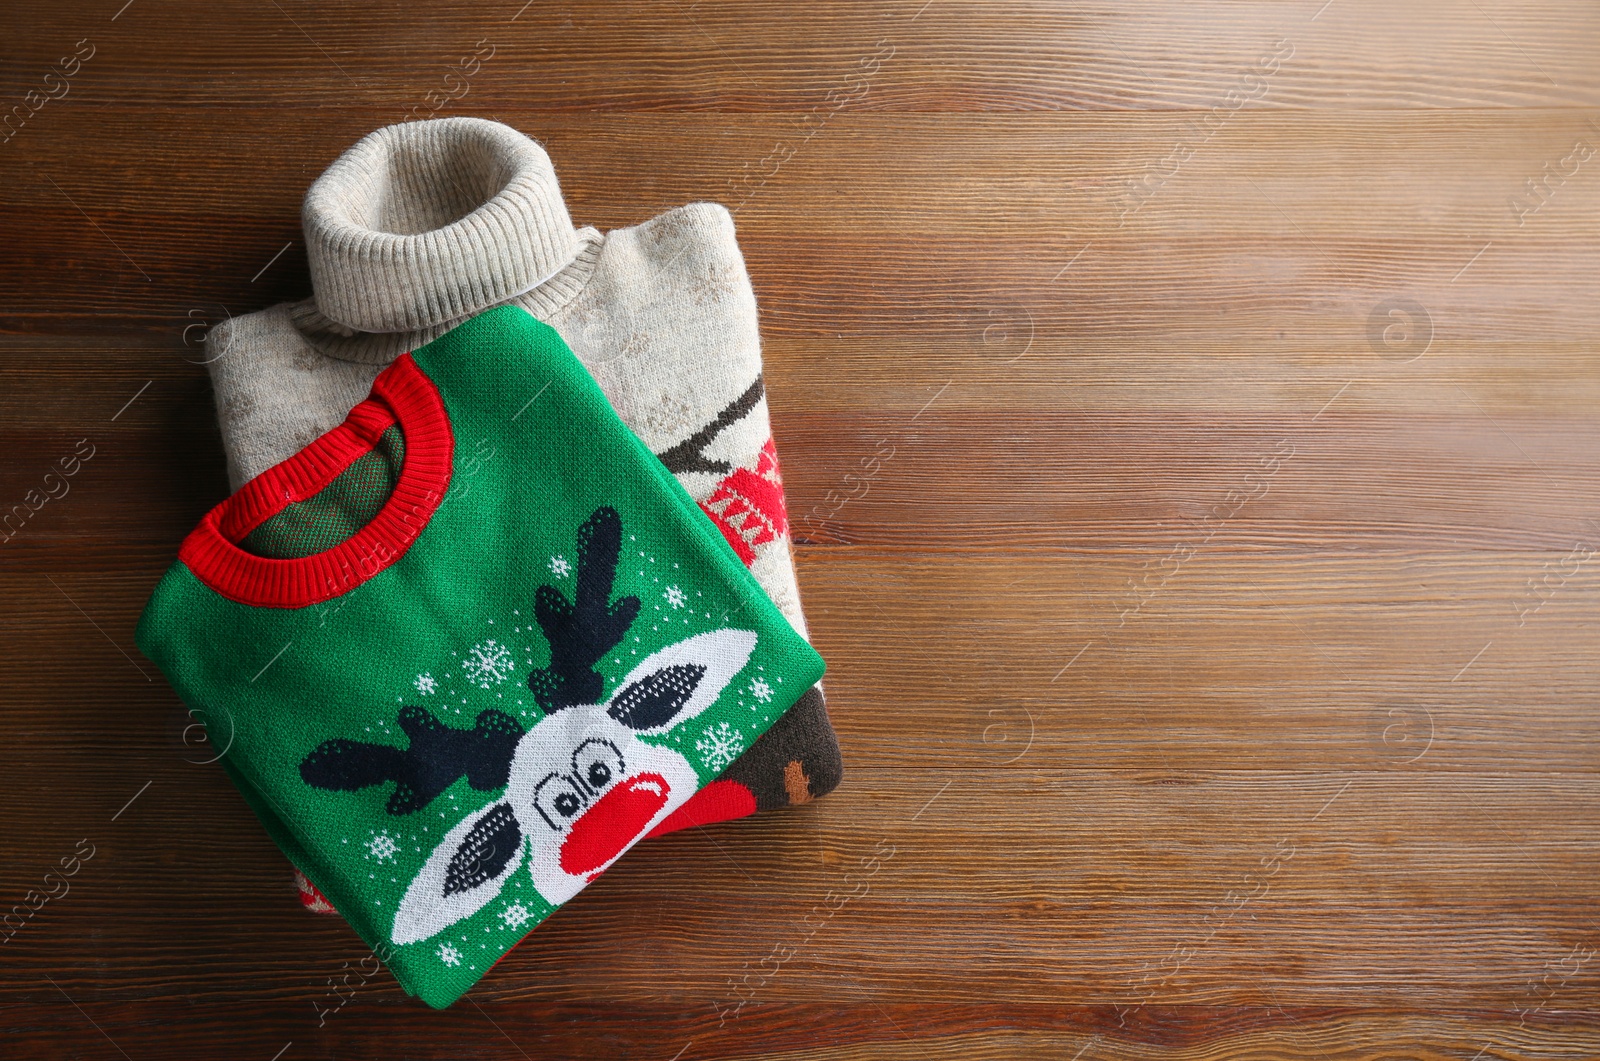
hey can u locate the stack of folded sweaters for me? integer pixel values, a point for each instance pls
(506, 584)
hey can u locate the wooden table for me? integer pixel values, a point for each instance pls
(1189, 418)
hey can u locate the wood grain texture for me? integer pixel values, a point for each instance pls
(1215, 669)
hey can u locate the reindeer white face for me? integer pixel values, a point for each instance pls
(582, 785)
(583, 788)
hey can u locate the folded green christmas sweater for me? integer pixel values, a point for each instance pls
(471, 645)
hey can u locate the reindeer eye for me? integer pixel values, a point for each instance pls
(557, 800)
(597, 761)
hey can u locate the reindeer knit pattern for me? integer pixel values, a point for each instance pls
(423, 223)
(470, 646)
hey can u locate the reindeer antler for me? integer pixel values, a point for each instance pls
(583, 630)
(438, 755)
(580, 632)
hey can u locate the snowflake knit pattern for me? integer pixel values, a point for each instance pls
(422, 223)
(447, 730)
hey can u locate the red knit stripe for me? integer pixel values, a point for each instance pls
(318, 465)
(401, 394)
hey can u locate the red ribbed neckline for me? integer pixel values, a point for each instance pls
(402, 395)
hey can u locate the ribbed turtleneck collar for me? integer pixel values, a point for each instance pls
(428, 222)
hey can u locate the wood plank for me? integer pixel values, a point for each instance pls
(944, 57)
(1347, 889)
(1268, 232)
(1413, 663)
(370, 1023)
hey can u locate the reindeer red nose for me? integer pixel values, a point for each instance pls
(613, 823)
